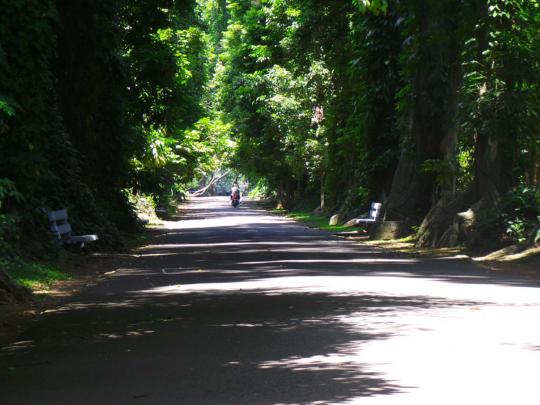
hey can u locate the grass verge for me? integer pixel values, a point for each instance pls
(313, 221)
(526, 263)
(404, 245)
(35, 276)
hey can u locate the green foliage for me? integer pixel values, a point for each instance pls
(6, 108)
(36, 154)
(374, 6)
(78, 124)
(333, 109)
(501, 95)
(141, 202)
(515, 219)
(35, 276)
(362, 194)
(311, 106)
(9, 191)
(210, 144)
(8, 229)
(168, 57)
(465, 174)
(442, 169)
(8, 232)
(260, 190)
(304, 97)
(520, 212)
(314, 221)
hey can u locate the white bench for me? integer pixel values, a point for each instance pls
(373, 216)
(61, 229)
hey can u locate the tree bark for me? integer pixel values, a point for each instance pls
(431, 135)
(486, 148)
(11, 292)
(381, 75)
(451, 223)
(322, 206)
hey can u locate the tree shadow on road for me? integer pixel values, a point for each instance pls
(262, 250)
(248, 314)
(236, 348)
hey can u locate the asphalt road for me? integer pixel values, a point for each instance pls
(242, 307)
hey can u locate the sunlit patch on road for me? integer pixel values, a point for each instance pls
(258, 310)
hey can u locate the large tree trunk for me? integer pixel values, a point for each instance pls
(322, 202)
(431, 135)
(444, 223)
(439, 227)
(450, 221)
(494, 155)
(11, 292)
(535, 174)
(382, 82)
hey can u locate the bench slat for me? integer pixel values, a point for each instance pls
(58, 215)
(82, 238)
(61, 229)
(374, 213)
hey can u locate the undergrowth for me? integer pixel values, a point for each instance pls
(35, 276)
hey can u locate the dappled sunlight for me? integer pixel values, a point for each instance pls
(252, 302)
(127, 334)
(227, 217)
(125, 303)
(353, 285)
(162, 254)
(348, 261)
(213, 246)
(332, 361)
(374, 326)
(236, 243)
(456, 340)
(19, 345)
(451, 257)
(387, 129)
(468, 348)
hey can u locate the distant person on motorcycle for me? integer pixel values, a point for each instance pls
(235, 195)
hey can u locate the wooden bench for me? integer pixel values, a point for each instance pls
(373, 216)
(61, 229)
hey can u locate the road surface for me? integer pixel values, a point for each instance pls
(242, 307)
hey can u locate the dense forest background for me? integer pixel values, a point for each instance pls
(431, 107)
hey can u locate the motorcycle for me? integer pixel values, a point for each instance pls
(235, 200)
